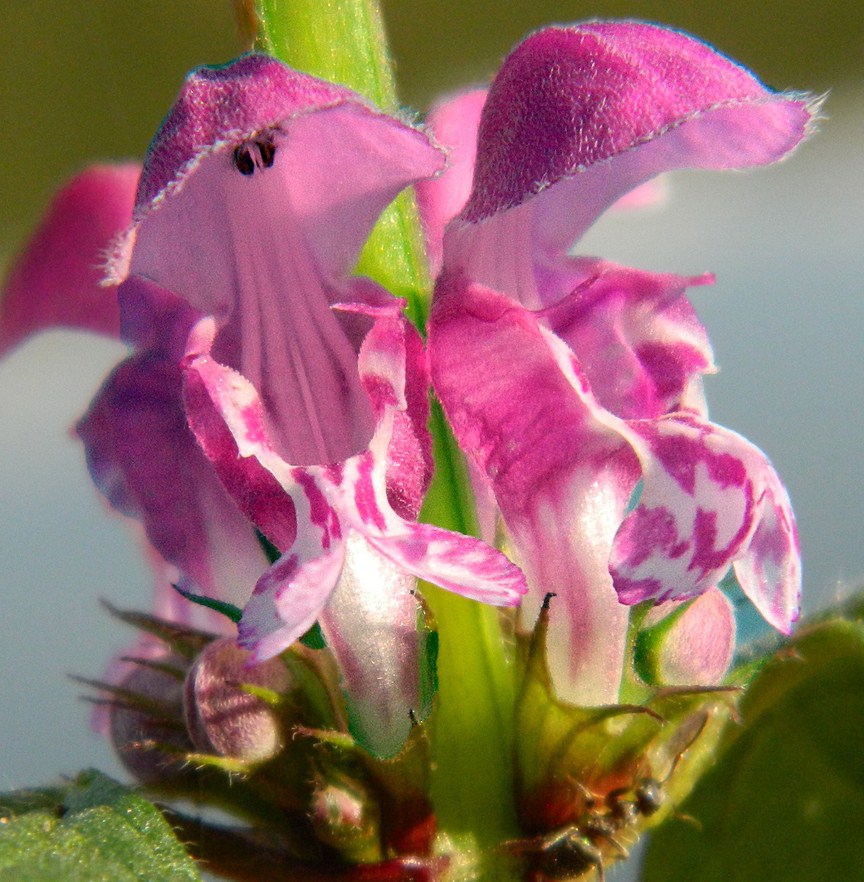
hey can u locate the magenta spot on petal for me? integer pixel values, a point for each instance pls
(670, 366)
(278, 575)
(647, 531)
(631, 591)
(254, 425)
(335, 472)
(321, 513)
(706, 556)
(364, 494)
(380, 391)
(677, 550)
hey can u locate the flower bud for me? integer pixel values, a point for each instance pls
(146, 724)
(221, 715)
(346, 817)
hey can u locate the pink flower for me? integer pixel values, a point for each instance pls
(573, 384)
(305, 390)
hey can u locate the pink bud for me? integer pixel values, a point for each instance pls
(222, 717)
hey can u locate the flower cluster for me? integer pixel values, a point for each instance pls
(269, 430)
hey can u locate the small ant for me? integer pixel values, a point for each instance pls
(578, 848)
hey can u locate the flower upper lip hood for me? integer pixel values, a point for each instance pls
(570, 99)
(568, 380)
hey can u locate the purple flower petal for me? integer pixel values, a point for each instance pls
(637, 338)
(145, 461)
(577, 117)
(568, 100)
(56, 281)
(561, 476)
(454, 123)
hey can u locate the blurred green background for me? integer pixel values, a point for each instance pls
(92, 78)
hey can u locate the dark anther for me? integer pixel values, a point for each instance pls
(243, 161)
(547, 598)
(268, 152)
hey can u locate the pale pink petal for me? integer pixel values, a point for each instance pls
(651, 194)
(371, 626)
(699, 644)
(55, 282)
(454, 123)
(710, 499)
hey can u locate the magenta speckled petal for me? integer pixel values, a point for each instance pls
(450, 560)
(56, 281)
(637, 338)
(710, 499)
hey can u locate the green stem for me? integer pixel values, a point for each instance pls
(472, 787)
(343, 41)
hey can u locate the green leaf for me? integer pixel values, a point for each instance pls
(786, 802)
(90, 830)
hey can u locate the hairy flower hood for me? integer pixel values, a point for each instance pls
(572, 383)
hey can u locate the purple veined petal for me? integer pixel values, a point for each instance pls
(56, 281)
(145, 461)
(635, 333)
(336, 162)
(710, 499)
(370, 625)
(256, 196)
(562, 477)
(577, 117)
(454, 123)
(698, 648)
